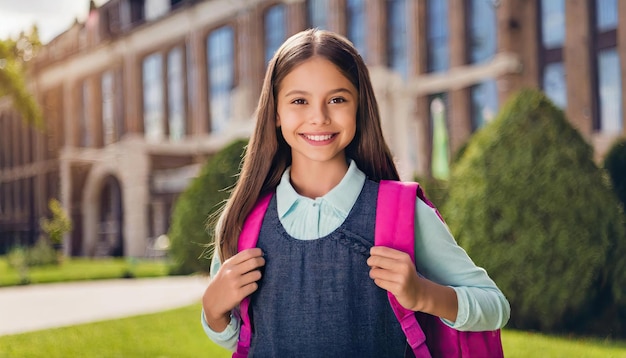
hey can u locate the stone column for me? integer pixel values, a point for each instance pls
(65, 175)
(578, 66)
(420, 114)
(621, 50)
(376, 19)
(459, 120)
(251, 64)
(518, 34)
(195, 111)
(135, 169)
(296, 16)
(337, 16)
(133, 91)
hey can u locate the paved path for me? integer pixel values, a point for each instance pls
(42, 306)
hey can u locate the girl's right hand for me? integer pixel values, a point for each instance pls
(236, 279)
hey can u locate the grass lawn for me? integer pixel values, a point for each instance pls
(76, 269)
(177, 333)
(527, 344)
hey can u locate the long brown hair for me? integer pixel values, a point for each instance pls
(268, 155)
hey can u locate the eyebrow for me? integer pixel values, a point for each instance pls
(335, 91)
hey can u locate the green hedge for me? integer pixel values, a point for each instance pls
(436, 190)
(191, 232)
(528, 203)
(615, 164)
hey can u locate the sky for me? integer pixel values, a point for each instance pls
(51, 16)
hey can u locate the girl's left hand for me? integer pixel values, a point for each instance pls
(394, 271)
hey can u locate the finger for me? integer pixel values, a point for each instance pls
(386, 285)
(386, 275)
(250, 265)
(245, 255)
(250, 277)
(383, 262)
(387, 252)
(248, 289)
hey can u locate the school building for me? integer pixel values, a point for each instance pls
(138, 96)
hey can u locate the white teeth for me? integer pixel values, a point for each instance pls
(318, 138)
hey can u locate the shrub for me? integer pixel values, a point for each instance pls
(18, 260)
(528, 203)
(190, 232)
(42, 254)
(58, 225)
(436, 190)
(615, 164)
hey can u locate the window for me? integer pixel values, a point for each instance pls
(316, 13)
(154, 9)
(220, 48)
(554, 83)
(192, 78)
(153, 112)
(609, 91)
(17, 196)
(356, 24)
(397, 37)
(3, 211)
(606, 15)
(135, 11)
(108, 109)
(552, 33)
(111, 19)
(6, 195)
(3, 142)
(608, 86)
(552, 23)
(175, 94)
(118, 104)
(437, 35)
(484, 98)
(84, 132)
(482, 30)
(275, 31)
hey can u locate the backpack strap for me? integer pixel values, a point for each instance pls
(395, 221)
(248, 239)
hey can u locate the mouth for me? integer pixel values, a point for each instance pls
(318, 137)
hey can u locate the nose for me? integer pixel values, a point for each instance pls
(320, 115)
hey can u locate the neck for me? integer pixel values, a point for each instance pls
(316, 179)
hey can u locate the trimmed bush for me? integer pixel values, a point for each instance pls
(436, 190)
(528, 203)
(191, 233)
(615, 164)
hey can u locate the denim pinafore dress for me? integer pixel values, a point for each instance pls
(316, 298)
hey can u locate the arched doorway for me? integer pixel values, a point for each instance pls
(110, 241)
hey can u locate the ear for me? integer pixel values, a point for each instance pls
(277, 121)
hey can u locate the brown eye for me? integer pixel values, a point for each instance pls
(298, 101)
(337, 100)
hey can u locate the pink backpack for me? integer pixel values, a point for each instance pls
(427, 335)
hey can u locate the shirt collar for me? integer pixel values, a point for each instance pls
(342, 197)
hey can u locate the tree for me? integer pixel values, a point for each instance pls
(14, 56)
(191, 232)
(529, 204)
(56, 227)
(615, 164)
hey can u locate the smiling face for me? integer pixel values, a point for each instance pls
(317, 108)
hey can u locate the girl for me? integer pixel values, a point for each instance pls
(317, 284)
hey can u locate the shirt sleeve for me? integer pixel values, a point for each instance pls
(482, 306)
(227, 338)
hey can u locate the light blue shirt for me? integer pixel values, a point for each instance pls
(481, 305)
